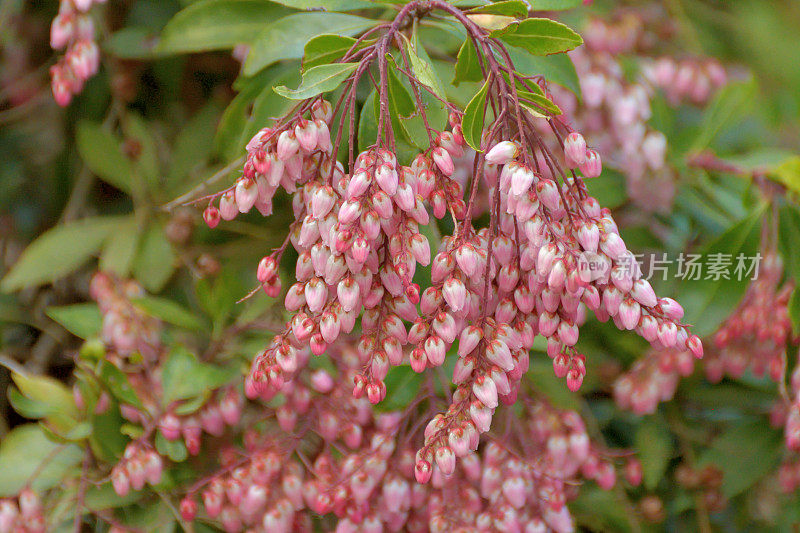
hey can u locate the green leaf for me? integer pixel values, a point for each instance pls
(58, 252)
(367, 123)
(175, 450)
(328, 5)
(169, 311)
(139, 132)
(402, 386)
(709, 302)
(556, 5)
(556, 68)
(542, 102)
(103, 497)
(788, 173)
(82, 320)
(789, 239)
(601, 510)
(184, 377)
(217, 25)
(107, 440)
(23, 452)
(745, 452)
(794, 311)
(102, 153)
(118, 253)
(539, 36)
(730, 105)
(27, 407)
(132, 42)
(472, 123)
(421, 65)
(546, 383)
(319, 79)
(286, 37)
(509, 8)
(117, 383)
(468, 66)
(326, 48)
(155, 261)
(653, 444)
(608, 189)
(193, 144)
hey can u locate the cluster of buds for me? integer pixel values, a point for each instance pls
(72, 29)
(24, 515)
(126, 329)
(212, 418)
(693, 80)
(755, 335)
(616, 109)
(139, 465)
(652, 379)
(359, 241)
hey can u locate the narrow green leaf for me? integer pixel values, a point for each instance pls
(155, 261)
(468, 66)
(286, 37)
(217, 25)
(367, 123)
(319, 79)
(326, 48)
(82, 320)
(539, 36)
(794, 311)
(730, 105)
(472, 123)
(117, 383)
(102, 153)
(193, 144)
(138, 132)
(707, 301)
(789, 239)
(653, 444)
(58, 252)
(541, 101)
(421, 65)
(169, 311)
(509, 8)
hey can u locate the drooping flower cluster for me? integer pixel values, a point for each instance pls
(339, 457)
(126, 329)
(616, 109)
(72, 29)
(652, 379)
(755, 335)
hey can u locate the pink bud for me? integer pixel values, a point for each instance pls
(643, 293)
(245, 193)
(267, 268)
(316, 293)
(322, 201)
(443, 161)
(574, 379)
(547, 191)
(435, 350)
(695, 345)
(287, 145)
(120, 481)
(503, 152)
(455, 293)
(445, 460)
(306, 134)
(470, 337)
(575, 149)
(387, 179)
(422, 471)
(592, 167)
(61, 31)
(671, 308)
(227, 206)
(485, 390)
(170, 426)
(629, 313)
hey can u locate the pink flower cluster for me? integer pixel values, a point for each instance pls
(26, 514)
(652, 379)
(755, 334)
(616, 109)
(126, 329)
(72, 29)
(364, 467)
(137, 467)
